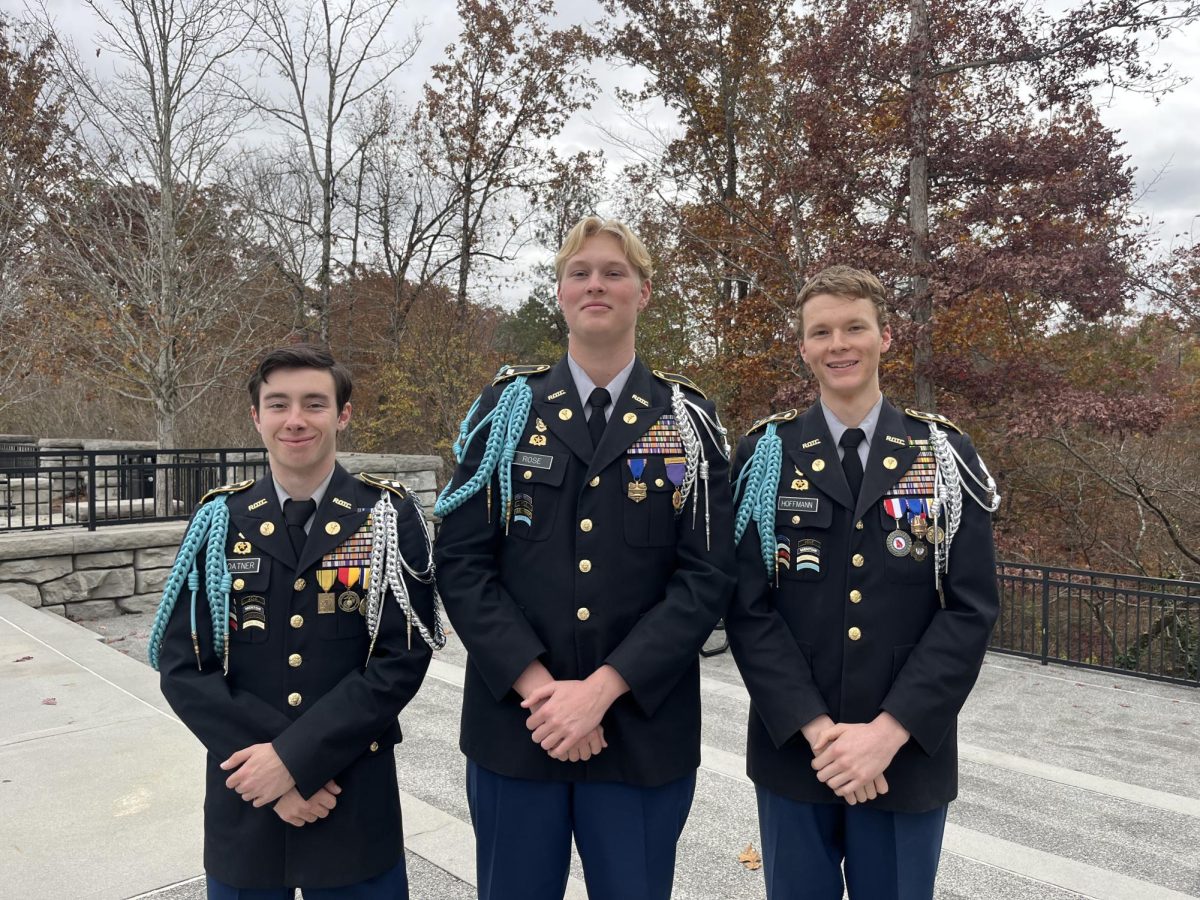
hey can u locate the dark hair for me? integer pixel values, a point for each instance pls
(302, 356)
(843, 281)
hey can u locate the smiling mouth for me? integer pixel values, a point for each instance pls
(296, 442)
(844, 364)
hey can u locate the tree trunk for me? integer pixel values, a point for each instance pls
(920, 87)
(465, 247)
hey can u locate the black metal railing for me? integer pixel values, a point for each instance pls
(90, 488)
(1100, 620)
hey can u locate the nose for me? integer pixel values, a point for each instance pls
(595, 283)
(295, 421)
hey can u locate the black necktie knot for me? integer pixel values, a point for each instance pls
(851, 464)
(852, 437)
(598, 399)
(296, 513)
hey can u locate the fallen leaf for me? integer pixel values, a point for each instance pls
(750, 858)
(49, 701)
(23, 659)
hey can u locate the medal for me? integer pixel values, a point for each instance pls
(242, 548)
(799, 483)
(899, 543)
(676, 471)
(538, 440)
(636, 491)
(915, 508)
(325, 580)
(348, 576)
(919, 550)
(348, 602)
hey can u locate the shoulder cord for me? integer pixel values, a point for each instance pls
(693, 450)
(386, 564)
(758, 486)
(507, 419)
(212, 522)
(947, 501)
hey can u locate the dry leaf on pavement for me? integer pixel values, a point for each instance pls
(750, 858)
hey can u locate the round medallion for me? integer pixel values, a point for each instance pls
(919, 550)
(889, 462)
(266, 528)
(818, 465)
(629, 418)
(348, 602)
(899, 543)
(332, 528)
(564, 414)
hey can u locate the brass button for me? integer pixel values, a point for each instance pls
(294, 660)
(795, 520)
(266, 529)
(856, 596)
(658, 482)
(239, 583)
(527, 474)
(295, 699)
(299, 584)
(854, 634)
(583, 614)
(585, 565)
(297, 621)
(818, 465)
(857, 560)
(374, 746)
(585, 525)
(859, 525)
(595, 481)
(332, 528)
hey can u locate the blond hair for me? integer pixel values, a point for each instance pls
(590, 226)
(843, 281)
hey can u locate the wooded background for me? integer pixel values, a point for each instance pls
(223, 177)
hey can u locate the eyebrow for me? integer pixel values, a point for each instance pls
(281, 396)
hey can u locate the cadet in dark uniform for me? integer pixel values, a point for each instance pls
(585, 555)
(292, 633)
(866, 596)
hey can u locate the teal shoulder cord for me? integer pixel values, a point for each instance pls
(758, 487)
(507, 421)
(211, 521)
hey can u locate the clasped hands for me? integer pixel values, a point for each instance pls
(851, 758)
(564, 716)
(260, 777)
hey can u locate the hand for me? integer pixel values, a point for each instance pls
(876, 788)
(565, 712)
(262, 777)
(814, 730)
(590, 746)
(849, 757)
(295, 810)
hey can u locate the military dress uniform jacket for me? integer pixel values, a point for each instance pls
(862, 630)
(582, 576)
(300, 678)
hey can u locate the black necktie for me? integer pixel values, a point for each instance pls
(851, 464)
(296, 513)
(597, 401)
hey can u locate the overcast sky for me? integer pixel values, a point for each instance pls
(1162, 138)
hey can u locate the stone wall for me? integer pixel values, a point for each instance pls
(122, 568)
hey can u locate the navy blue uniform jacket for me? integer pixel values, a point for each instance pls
(651, 593)
(343, 725)
(912, 658)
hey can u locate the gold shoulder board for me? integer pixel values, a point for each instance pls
(785, 416)
(936, 418)
(678, 379)
(386, 484)
(508, 372)
(226, 489)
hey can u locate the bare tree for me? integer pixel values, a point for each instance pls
(332, 57)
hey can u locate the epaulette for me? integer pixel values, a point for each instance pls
(513, 371)
(678, 379)
(785, 416)
(226, 489)
(387, 484)
(936, 418)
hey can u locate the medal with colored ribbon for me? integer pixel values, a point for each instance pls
(325, 599)
(915, 509)
(348, 576)
(676, 470)
(636, 490)
(898, 541)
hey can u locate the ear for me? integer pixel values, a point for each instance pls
(343, 417)
(254, 418)
(644, 299)
(886, 335)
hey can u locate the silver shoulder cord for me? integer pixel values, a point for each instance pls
(948, 487)
(693, 449)
(386, 564)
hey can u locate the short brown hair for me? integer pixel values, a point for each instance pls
(302, 356)
(590, 226)
(843, 281)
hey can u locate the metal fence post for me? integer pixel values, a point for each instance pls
(1045, 616)
(91, 472)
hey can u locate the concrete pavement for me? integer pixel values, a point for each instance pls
(1074, 783)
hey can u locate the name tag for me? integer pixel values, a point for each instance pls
(799, 504)
(243, 566)
(533, 460)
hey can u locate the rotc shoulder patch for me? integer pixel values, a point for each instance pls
(226, 489)
(387, 484)
(785, 416)
(682, 380)
(935, 418)
(507, 372)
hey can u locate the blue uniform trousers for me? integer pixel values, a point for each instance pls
(391, 885)
(887, 855)
(626, 835)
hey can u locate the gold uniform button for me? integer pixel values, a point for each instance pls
(583, 614)
(299, 584)
(795, 520)
(857, 560)
(818, 465)
(297, 621)
(658, 482)
(630, 418)
(854, 634)
(594, 482)
(295, 699)
(585, 525)
(332, 528)
(585, 566)
(374, 746)
(856, 596)
(527, 474)
(239, 583)
(859, 525)
(294, 660)
(266, 529)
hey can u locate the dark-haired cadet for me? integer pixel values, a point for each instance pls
(866, 595)
(291, 635)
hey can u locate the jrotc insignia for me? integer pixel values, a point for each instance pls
(513, 371)
(226, 489)
(253, 612)
(629, 418)
(677, 379)
(808, 555)
(889, 462)
(662, 439)
(257, 504)
(537, 440)
(522, 509)
(557, 394)
(266, 529)
(892, 439)
(936, 418)
(242, 548)
(799, 483)
(809, 444)
(786, 416)
(564, 414)
(387, 484)
(333, 527)
(818, 465)
(539, 426)
(344, 504)
(642, 400)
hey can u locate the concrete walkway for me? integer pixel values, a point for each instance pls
(1074, 783)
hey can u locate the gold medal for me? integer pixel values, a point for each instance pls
(677, 499)
(348, 602)
(636, 491)
(325, 580)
